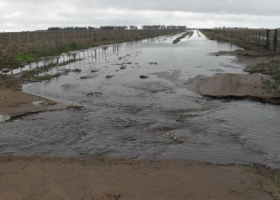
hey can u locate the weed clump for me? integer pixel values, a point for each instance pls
(47, 77)
(25, 57)
(182, 37)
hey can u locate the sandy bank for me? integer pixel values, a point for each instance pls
(239, 86)
(109, 179)
(15, 103)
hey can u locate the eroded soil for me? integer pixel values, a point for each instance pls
(110, 179)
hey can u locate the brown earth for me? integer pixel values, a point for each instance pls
(110, 179)
(14, 103)
(239, 86)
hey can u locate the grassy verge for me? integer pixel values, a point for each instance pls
(271, 69)
(269, 180)
(212, 36)
(25, 57)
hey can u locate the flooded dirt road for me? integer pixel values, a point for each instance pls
(153, 118)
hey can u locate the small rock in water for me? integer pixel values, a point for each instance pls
(77, 70)
(94, 71)
(153, 63)
(64, 71)
(5, 70)
(75, 106)
(39, 103)
(174, 137)
(94, 94)
(4, 118)
(143, 77)
(83, 77)
(123, 67)
(109, 76)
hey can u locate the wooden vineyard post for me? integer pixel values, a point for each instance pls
(260, 39)
(275, 39)
(36, 42)
(10, 40)
(19, 42)
(267, 39)
(63, 38)
(28, 41)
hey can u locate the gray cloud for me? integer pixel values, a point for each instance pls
(250, 7)
(18, 15)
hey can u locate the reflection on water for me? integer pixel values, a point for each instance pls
(91, 54)
(149, 118)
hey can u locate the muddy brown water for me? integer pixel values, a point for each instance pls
(153, 118)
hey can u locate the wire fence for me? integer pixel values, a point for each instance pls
(269, 39)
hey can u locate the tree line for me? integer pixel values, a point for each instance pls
(76, 28)
(163, 27)
(146, 27)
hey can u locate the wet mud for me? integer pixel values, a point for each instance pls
(157, 117)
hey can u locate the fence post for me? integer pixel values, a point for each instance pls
(10, 40)
(19, 42)
(63, 38)
(267, 39)
(36, 39)
(275, 39)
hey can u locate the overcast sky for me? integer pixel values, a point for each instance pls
(22, 15)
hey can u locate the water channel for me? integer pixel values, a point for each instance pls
(154, 118)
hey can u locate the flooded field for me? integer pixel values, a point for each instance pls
(152, 117)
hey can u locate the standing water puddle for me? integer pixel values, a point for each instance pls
(153, 118)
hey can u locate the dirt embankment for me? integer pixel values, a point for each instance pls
(15, 103)
(109, 179)
(262, 83)
(239, 86)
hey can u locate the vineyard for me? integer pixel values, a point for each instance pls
(53, 42)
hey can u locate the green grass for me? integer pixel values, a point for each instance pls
(25, 57)
(68, 47)
(269, 85)
(272, 68)
(47, 77)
